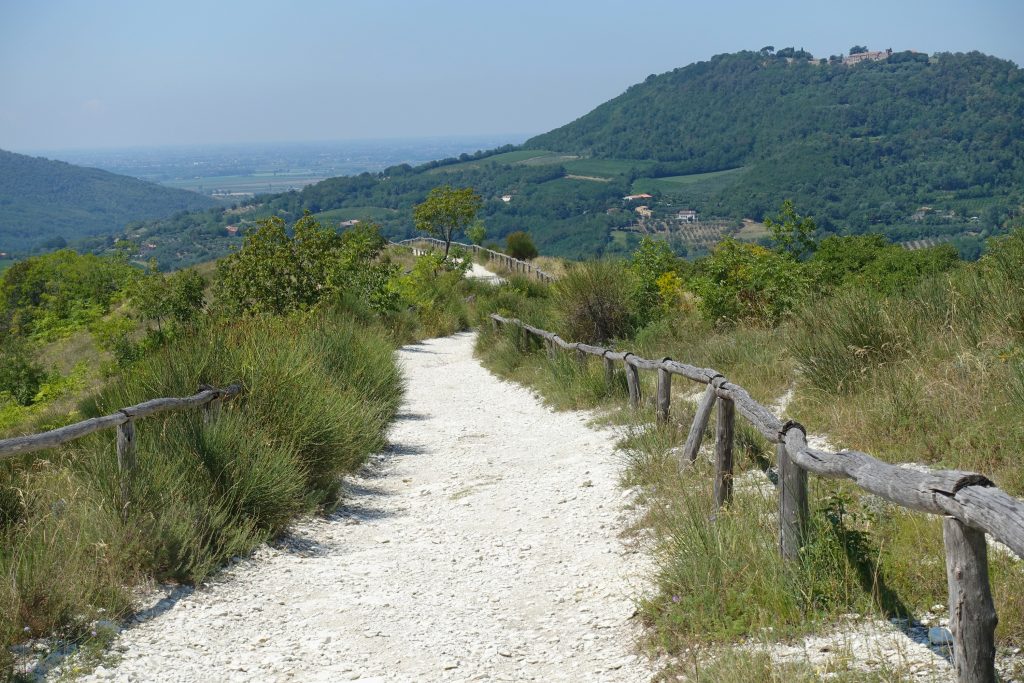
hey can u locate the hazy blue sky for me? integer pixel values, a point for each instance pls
(101, 74)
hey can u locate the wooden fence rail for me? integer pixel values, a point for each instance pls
(970, 503)
(208, 398)
(513, 265)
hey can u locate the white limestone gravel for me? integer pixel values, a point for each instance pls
(482, 546)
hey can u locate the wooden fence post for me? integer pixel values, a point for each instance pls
(723, 451)
(700, 423)
(495, 325)
(212, 409)
(664, 393)
(972, 616)
(792, 504)
(581, 356)
(609, 369)
(126, 460)
(552, 350)
(632, 381)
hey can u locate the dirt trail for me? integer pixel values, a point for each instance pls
(483, 546)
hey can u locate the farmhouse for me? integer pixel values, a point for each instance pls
(643, 211)
(687, 216)
(348, 224)
(232, 229)
(506, 198)
(634, 197)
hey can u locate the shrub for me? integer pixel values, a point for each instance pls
(520, 246)
(319, 392)
(592, 302)
(746, 282)
(20, 376)
(656, 283)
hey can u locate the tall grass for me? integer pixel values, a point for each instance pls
(318, 393)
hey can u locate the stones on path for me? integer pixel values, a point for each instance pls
(483, 546)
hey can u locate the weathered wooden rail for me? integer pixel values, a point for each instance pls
(971, 505)
(513, 265)
(208, 398)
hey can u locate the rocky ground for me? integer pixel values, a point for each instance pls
(484, 545)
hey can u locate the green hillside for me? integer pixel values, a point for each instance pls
(915, 147)
(46, 203)
(858, 145)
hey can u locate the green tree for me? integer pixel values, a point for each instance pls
(858, 49)
(792, 233)
(447, 211)
(477, 233)
(518, 245)
(275, 272)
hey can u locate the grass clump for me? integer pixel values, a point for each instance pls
(318, 393)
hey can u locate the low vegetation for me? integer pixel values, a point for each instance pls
(911, 356)
(304, 319)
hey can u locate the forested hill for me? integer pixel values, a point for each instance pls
(44, 203)
(855, 144)
(919, 148)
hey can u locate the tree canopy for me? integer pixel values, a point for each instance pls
(447, 211)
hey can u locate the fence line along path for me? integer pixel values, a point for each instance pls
(207, 398)
(514, 265)
(482, 546)
(971, 505)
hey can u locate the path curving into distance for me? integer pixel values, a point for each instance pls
(483, 546)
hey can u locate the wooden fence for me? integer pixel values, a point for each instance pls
(208, 398)
(971, 505)
(513, 265)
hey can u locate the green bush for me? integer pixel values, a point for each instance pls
(592, 302)
(20, 376)
(318, 393)
(518, 245)
(742, 282)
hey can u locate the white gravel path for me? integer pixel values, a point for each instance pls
(483, 546)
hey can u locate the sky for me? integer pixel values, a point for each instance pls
(99, 74)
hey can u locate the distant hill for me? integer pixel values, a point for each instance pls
(44, 203)
(920, 148)
(857, 145)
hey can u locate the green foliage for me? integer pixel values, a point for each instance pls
(431, 288)
(792, 233)
(49, 297)
(21, 376)
(592, 302)
(745, 282)
(871, 263)
(655, 291)
(319, 392)
(275, 272)
(518, 245)
(44, 204)
(176, 297)
(477, 233)
(447, 211)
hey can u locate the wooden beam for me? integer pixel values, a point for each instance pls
(700, 424)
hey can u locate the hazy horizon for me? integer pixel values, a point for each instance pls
(115, 74)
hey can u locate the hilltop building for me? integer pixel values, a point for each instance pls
(867, 57)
